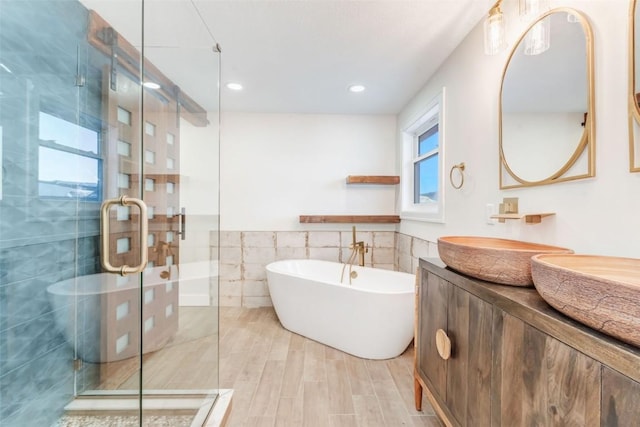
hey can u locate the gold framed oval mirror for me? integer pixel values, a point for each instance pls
(634, 88)
(546, 111)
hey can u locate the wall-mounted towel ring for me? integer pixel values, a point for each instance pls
(460, 167)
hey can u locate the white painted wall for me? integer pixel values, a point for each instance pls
(599, 215)
(199, 177)
(276, 167)
(199, 151)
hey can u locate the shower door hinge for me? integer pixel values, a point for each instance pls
(80, 80)
(77, 364)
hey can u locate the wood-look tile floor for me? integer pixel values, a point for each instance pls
(283, 379)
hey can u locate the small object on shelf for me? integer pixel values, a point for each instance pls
(325, 219)
(509, 205)
(373, 179)
(531, 218)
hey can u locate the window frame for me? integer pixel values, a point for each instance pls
(433, 114)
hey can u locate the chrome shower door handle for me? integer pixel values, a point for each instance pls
(105, 231)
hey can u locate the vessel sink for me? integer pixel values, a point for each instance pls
(503, 261)
(599, 291)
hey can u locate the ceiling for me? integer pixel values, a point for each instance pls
(298, 56)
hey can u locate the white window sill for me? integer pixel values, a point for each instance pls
(421, 216)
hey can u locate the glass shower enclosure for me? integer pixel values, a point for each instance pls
(109, 146)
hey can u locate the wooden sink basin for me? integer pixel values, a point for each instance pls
(601, 292)
(503, 261)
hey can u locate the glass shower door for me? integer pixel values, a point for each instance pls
(162, 146)
(181, 163)
(78, 128)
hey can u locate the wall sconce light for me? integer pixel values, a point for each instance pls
(538, 39)
(494, 30)
(532, 8)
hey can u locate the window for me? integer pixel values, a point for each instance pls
(425, 166)
(422, 159)
(69, 163)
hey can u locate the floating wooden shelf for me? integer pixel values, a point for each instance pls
(353, 219)
(373, 179)
(531, 218)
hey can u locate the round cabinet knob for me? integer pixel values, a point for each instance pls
(443, 344)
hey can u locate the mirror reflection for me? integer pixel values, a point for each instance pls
(546, 116)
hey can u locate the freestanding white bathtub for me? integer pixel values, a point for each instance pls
(372, 318)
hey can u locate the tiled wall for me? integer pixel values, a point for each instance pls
(244, 255)
(410, 249)
(42, 241)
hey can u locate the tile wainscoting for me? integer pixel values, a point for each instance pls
(244, 255)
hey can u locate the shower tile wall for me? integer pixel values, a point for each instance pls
(244, 255)
(42, 241)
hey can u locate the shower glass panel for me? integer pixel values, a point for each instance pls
(53, 181)
(181, 119)
(80, 345)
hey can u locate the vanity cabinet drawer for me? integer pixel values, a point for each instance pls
(458, 369)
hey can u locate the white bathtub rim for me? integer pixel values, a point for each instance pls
(410, 278)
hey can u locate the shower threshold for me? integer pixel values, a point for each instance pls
(193, 408)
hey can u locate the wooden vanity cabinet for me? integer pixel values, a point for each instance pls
(515, 361)
(462, 379)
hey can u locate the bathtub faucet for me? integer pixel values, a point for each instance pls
(358, 247)
(165, 249)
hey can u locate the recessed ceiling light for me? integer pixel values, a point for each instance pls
(356, 88)
(234, 86)
(151, 85)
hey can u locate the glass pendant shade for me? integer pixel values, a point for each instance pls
(494, 32)
(532, 8)
(538, 39)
